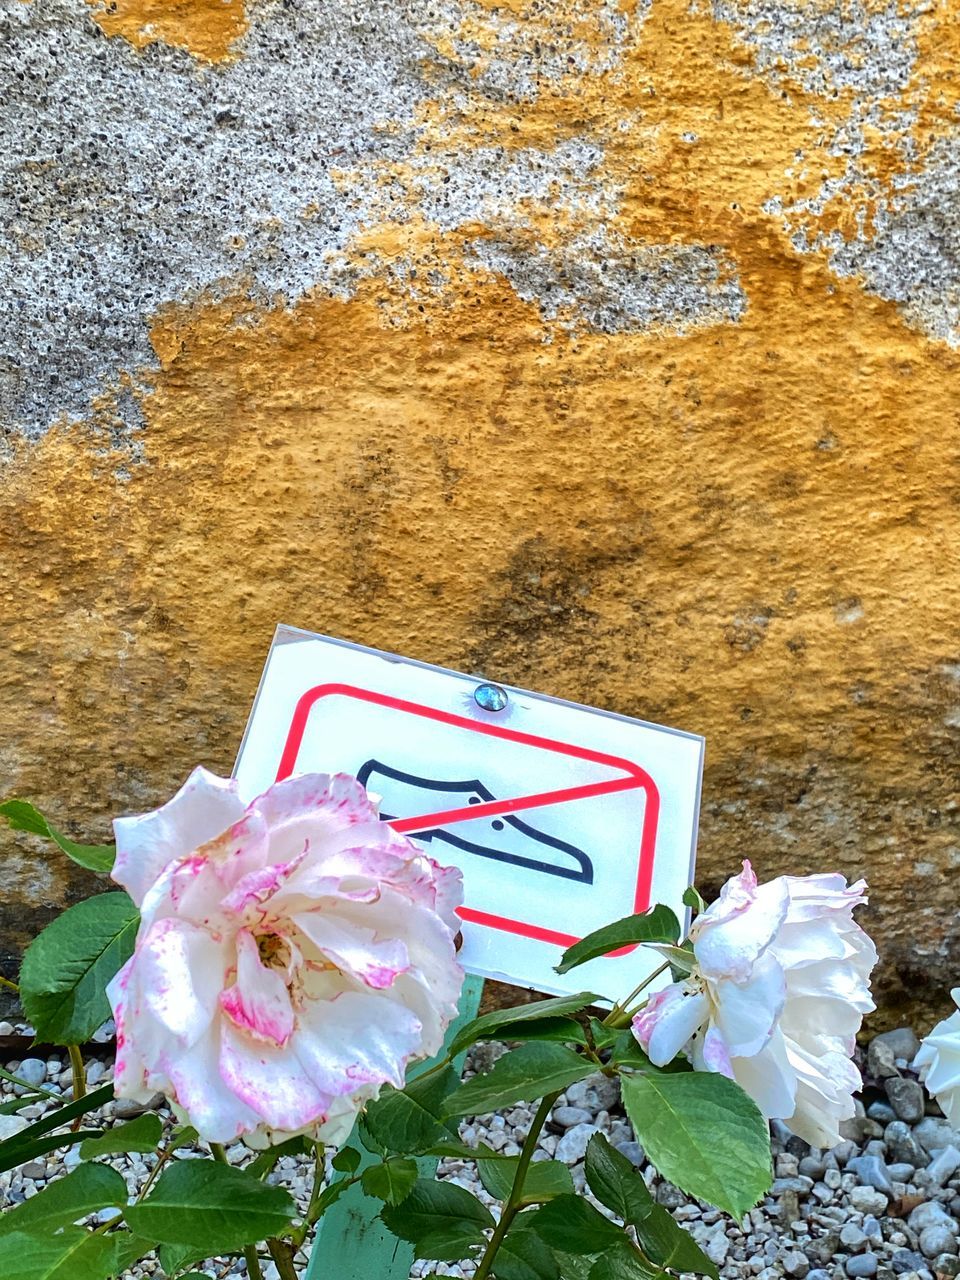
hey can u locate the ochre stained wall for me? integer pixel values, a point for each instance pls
(601, 347)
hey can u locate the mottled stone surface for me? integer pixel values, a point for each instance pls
(605, 347)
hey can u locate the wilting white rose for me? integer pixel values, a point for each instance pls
(777, 993)
(939, 1063)
(294, 955)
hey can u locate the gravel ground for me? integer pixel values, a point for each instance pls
(885, 1203)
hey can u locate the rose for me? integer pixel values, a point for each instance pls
(293, 956)
(778, 987)
(939, 1063)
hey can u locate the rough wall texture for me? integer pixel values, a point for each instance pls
(606, 347)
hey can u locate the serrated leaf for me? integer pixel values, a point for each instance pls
(460, 1151)
(494, 1024)
(657, 925)
(66, 969)
(545, 1180)
(574, 1266)
(73, 1254)
(572, 1225)
(392, 1181)
(347, 1160)
(442, 1221)
(526, 1073)
(411, 1119)
(523, 1255)
(142, 1134)
(617, 1184)
(174, 1257)
(37, 1139)
(703, 1133)
(210, 1206)
(622, 1262)
(130, 1249)
(87, 1189)
(22, 816)
(559, 1030)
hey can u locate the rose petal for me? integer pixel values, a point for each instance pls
(258, 1002)
(373, 960)
(200, 810)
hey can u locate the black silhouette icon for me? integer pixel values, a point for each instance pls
(553, 856)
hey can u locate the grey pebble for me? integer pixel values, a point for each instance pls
(881, 1061)
(567, 1117)
(871, 1172)
(633, 1151)
(882, 1112)
(934, 1134)
(946, 1264)
(861, 1265)
(905, 1260)
(34, 1169)
(851, 1237)
(935, 1240)
(906, 1098)
(903, 1145)
(811, 1167)
(596, 1093)
(33, 1071)
(573, 1145)
(902, 1040)
(795, 1264)
(944, 1165)
(818, 1273)
(931, 1214)
(868, 1200)
(900, 1172)
(799, 1184)
(126, 1109)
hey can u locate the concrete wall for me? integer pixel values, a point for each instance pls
(602, 346)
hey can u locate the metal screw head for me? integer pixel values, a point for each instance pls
(490, 697)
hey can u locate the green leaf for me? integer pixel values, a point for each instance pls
(563, 1030)
(572, 1225)
(22, 816)
(66, 969)
(574, 1266)
(603, 1036)
(441, 1220)
(87, 1189)
(411, 1119)
(545, 1180)
(703, 1133)
(32, 1141)
(130, 1249)
(693, 900)
(524, 1256)
(266, 1160)
(496, 1024)
(526, 1073)
(142, 1134)
(392, 1181)
(210, 1206)
(73, 1254)
(617, 1184)
(347, 1160)
(624, 1263)
(657, 925)
(174, 1257)
(460, 1151)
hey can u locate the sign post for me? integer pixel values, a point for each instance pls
(562, 818)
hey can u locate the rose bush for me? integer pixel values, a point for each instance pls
(778, 985)
(293, 956)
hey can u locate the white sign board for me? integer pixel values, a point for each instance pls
(561, 818)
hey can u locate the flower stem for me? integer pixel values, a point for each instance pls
(10, 986)
(282, 1254)
(250, 1250)
(79, 1079)
(511, 1205)
(615, 1017)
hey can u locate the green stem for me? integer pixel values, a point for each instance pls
(511, 1205)
(615, 1017)
(10, 986)
(79, 1080)
(282, 1254)
(32, 1090)
(250, 1250)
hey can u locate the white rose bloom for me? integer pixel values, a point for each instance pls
(777, 994)
(939, 1063)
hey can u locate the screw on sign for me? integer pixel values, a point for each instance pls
(510, 786)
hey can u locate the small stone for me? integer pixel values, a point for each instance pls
(127, 1109)
(573, 1145)
(34, 1169)
(946, 1264)
(906, 1098)
(9, 1125)
(861, 1265)
(786, 1165)
(567, 1117)
(882, 1112)
(669, 1196)
(871, 1172)
(934, 1134)
(867, 1200)
(795, 1264)
(900, 1172)
(936, 1240)
(931, 1214)
(844, 1151)
(902, 1041)
(6, 1028)
(903, 1145)
(717, 1247)
(881, 1060)
(872, 1229)
(633, 1151)
(596, 1093)
(33, 1071)
(799, 1184)
(832, 1178)
(789, 1208)
(818, 1274)
(811, 1167)
(905, 1260)
(95, 1072)
(944, 1165)
(852, 1238)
